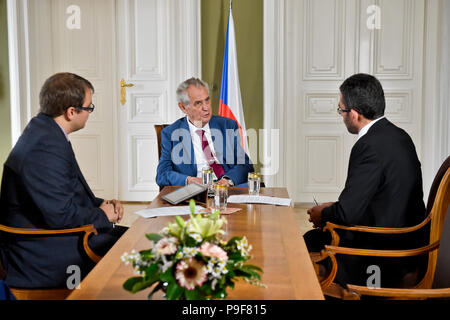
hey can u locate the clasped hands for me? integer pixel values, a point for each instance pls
(315, 214)
(113, 210)
(222, 181)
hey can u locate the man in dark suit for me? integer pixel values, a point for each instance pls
(200, 140)
(43, 188)
(383, 187)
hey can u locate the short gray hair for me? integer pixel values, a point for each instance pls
(182, 95)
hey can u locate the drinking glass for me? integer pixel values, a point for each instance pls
(254, 183)
(220, 197)
(207, 180)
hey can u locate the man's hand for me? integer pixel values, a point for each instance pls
(194, 179)
(117, 208)
(315, 214)
(108, 208)
(223, 181)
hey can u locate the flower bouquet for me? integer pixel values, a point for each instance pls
(190, 260)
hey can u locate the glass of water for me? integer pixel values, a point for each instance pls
(220, 197)
(207, 180)
(254, 183)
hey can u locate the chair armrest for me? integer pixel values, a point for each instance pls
(87, 229)
(331, 251)
(383, 253)
(401, 293)
(331, 227)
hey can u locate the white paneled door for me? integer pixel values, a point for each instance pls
(151, 44)
(324, 42)
(158, 47)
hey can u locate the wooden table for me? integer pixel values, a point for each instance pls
(278, 248)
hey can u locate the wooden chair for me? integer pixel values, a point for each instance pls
(58, 293)
(437, 206)
(158, 129)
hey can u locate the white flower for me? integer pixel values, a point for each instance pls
(243, 246)
(133, 257)
(196, 237)
(166, 264)
(189, 252)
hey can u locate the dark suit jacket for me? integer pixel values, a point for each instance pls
(383, 189)
(43, 187)
(177, 152)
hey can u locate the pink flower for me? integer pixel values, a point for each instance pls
(190, 273)
(166, 246)
(211, 250)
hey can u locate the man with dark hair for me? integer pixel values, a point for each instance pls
(383, 187)
(43, 188)
(201, 140)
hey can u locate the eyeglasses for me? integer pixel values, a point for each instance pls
(88, 109)
(340, 110)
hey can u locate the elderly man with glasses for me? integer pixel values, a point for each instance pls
(43, 188)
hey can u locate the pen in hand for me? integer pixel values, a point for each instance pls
(315, 201)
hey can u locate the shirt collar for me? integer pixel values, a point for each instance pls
(366, 128)
(64, 131)
(193, 128)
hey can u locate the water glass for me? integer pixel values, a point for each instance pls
(207, 180)
(254, 183)
(220, 197)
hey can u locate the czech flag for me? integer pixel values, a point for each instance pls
(230, 103)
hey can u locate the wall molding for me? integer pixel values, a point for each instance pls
(19, 66)
(435, 113)
(274, 97)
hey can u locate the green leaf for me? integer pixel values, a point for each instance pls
(143, 285)
(174, 291)
(215, 214)
(192, 206)
(179, 220)
(193, 294)
(167, 276)
(152, 272)
(136, 284)
(232, 241)
(129, 283)
(155, 237)
(253, 267)
(154, 290)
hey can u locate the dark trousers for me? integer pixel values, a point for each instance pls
(102, 242)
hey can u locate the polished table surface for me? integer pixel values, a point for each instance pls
(278, 248)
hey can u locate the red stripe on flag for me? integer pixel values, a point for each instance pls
(226, 112)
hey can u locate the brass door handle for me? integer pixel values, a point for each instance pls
(124, 85)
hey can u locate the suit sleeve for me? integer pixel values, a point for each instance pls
(363, 179)
(165, 173)
(50, 179)
(241, 165)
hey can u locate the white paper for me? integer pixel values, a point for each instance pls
(166, 211)
(259, 199)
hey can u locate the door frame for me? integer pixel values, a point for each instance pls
(435, 140)
(21, 64)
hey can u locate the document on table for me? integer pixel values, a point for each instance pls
(166, 211)
(259, 199)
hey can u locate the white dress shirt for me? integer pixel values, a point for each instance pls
(200, 158)
(366, 128)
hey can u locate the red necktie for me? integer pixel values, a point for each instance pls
(217, 167)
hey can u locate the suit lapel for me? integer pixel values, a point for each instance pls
(188, 145)
(218, 148)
